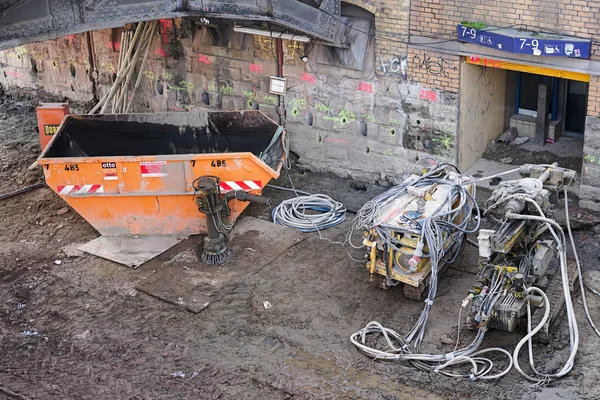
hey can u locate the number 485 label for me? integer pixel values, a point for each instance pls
(218, 163)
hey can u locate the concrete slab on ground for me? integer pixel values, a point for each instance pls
(130, 251)
(565, 146)
(186, 281)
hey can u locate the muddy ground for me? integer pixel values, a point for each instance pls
(518, 156)
(80, 330)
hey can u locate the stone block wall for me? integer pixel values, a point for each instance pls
(370, 124)
(589, 191)
(60, 67)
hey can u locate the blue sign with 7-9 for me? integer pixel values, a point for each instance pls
(519, 42)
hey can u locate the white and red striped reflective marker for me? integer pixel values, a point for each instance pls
(75, 190)
(227, 186)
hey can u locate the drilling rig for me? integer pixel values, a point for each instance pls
(522, 251)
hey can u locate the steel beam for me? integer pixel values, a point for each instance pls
(26, 21)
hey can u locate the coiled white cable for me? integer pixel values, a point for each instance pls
(309, 213)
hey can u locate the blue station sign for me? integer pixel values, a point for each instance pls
(520, 42)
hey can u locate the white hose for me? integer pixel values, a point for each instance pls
(485, 178)
(532, 333)
(309, 213)
(581, 286)
(573, 329)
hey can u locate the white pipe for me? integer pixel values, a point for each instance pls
(583, 298)
(276, 35)
(486, 178)
(573, 329)
(531, 333)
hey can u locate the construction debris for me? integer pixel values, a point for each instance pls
(120, 96)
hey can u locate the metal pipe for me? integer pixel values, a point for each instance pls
(546, 173)
(280, 99)
(245, 196)
(277, 35)
(554, 98)
(518, 99)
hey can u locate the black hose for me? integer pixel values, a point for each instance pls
(21, 191)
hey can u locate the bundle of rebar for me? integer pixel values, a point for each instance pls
(134, 44)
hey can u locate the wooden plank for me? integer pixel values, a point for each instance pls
(482, 111)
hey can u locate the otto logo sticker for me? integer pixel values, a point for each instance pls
(50, 129)
(152, 169)
(109, 165)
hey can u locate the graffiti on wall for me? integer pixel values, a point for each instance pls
(437, 66)
(292, 49)
(395, 65)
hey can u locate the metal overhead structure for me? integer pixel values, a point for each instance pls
(27, 21)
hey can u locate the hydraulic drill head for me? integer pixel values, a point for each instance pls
(210, 203)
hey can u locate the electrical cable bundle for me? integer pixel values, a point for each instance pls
(309, 213)
(434, 231)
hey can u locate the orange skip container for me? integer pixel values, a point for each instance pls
(132, 174)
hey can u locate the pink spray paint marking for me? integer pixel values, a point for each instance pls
(14, 74)
(427, 95)
(161, 52)
(204, 59)
(338, 141)
(492, 63)
(166, 23)
(308, 78)
(365, 87)
(116, 46)
(256, 68)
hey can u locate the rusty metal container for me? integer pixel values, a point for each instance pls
(49, 116)
(132, 174)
